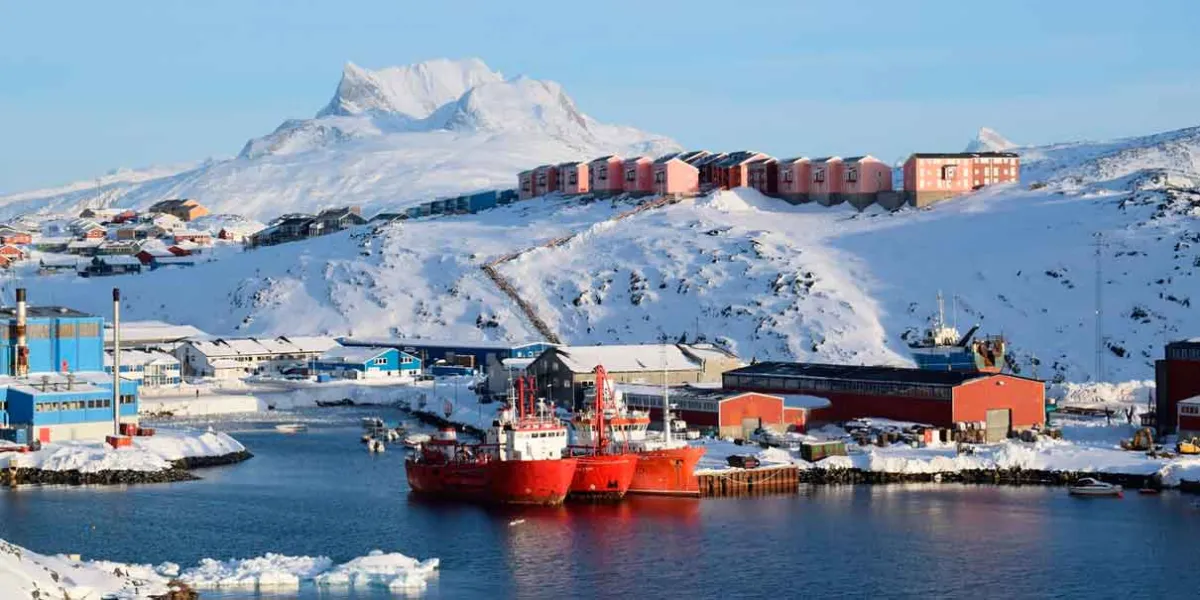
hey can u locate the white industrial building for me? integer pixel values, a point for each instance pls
(233, 358)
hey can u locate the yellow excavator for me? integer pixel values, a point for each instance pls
(1188, 446)
(1143, 439)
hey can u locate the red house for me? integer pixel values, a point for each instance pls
(127, 216)
(763, 175)
(604, 175)
(95, 233)
(734, 170)
(12, 252)
(545, 180)
(525, 185)
(8, 235)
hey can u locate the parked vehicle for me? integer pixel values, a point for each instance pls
(744, 461)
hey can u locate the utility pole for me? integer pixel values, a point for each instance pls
(1100, 346)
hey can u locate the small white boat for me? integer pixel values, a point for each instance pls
(1094, 487)
(416, 439)
(291, 427)
(372, 423)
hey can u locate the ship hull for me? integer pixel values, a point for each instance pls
(539, 482)
(668, 472)
(603, 477)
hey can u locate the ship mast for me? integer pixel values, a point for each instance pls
(666, 398)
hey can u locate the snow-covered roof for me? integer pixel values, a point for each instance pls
(352, 354)
(435, 343)
(134, 332)
(230, 347)
(803, 401)
(517, 364)
(59, 260)
(121, 259)
(626, 358)
(142, 357)
(88, 243)
(1193, 401)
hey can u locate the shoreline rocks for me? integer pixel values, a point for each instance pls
(1014, 477)
(180, 471)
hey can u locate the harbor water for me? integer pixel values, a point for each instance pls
(320, 493)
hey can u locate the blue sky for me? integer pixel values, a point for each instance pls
(89, 86)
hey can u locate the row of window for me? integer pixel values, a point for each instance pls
(1184, 354)
(548, 434)
(839, 385)
(42, 407)
(41, 331)
(1188, 409)
(648, 401)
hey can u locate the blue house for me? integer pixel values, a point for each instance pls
(64, 393)
(367, 362)
(471, 354)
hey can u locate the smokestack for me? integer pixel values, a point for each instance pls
(116, 361)
(21, 368)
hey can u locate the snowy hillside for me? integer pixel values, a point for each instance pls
(769, 279)
(386, 139)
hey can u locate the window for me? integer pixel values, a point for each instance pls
(89, 330)
(819, 175)
(572, 179)
(541, 180)
(66, 330)
(660, 177)
(787, 176)
(630, 174)
(852, 174)
(525, 185)
(603, 175)
(126, 399)
(949, 172)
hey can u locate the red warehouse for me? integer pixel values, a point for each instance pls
(1189, 418)
(732, 413)
(1177, 377)
(940, 398)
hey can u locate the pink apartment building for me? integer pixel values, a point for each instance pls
(545, 180)
(863, 178)
(825, 183)
(573, 178)
(673, 175)
(605, 175)
(795, 175)
(931, 177)
(525, 185)
(639, 175)
(995, 167)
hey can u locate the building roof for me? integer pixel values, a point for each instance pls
(792, 160)
(353, 354)
(876, 374)
(605, 157)
(858, 158)
(43, 312)
(517, 364)
(825, 159)
(401, 343)
(90, 243)
(119, 259)
(804, 401)
(629, 358)
(135, 357)
(230, 347)
(734, 159)
(143, 332)
(58, 260)
(964, 155)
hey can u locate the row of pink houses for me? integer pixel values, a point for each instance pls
(857, 180)
(673, 174)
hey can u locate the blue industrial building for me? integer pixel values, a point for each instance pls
(367, 362)
(470, 203)
(472, 354)
(55, 388)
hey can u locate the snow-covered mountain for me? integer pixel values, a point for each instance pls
(988, 140)
(769, 279)
(387, 139)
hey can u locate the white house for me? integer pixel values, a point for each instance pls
(231, 358)
(150, 368)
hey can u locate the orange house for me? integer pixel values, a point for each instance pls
(794, 176)
(573, 177)
(825, 187)
(605, 175)
(673, 175)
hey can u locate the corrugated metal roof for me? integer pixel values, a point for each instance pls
(878, 374)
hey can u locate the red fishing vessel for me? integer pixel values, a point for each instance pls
(520, 462)
(666, 465)
(605, 469)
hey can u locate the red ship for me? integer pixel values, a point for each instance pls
(605, 470)
(520, 462)
(666, 466)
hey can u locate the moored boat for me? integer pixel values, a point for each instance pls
(1088, 486)
(291, 427)
(414, 440)
(605, 470)
(521, 460)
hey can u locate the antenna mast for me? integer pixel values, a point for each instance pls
(1099, 307)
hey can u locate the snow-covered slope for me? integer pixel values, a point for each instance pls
(386, 139)
(772, 281)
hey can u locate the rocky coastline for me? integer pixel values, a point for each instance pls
(180, 470)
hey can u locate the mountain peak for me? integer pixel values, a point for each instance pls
(988, 140)
(412, 91)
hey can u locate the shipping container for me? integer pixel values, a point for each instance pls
(118, 441)
(814, 451)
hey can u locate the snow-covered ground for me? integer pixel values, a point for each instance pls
(148, 454)
(27, 574)
(1088, 445)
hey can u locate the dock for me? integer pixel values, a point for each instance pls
(784, 479)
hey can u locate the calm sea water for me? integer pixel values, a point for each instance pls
(320, 493)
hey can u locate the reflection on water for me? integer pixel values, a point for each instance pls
(320, 493)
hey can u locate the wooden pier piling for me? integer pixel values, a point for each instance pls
(749, 482)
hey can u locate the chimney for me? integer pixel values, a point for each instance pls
(21, 366)
(116, 361)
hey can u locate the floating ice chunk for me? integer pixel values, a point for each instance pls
(391, 570)
(269, 570)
